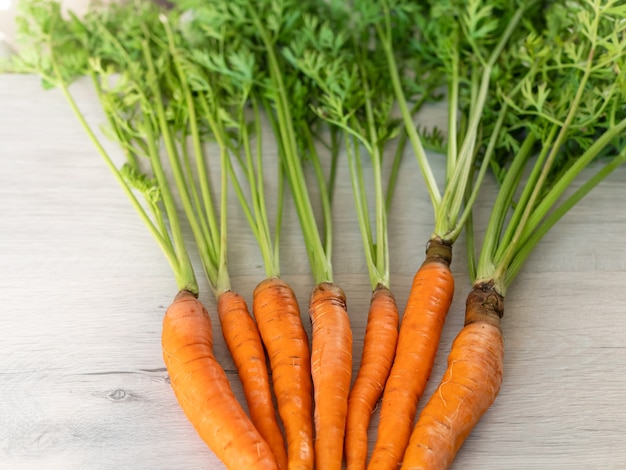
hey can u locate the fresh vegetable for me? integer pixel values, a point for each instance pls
(276, 23)
(469, 387)
(215, 412)
(147, 102)
(356, 98)
(570, 133)
(275, 307)
(278, 316)
(238, 327)
(535, 92)
(270, 24)
(462, 38)
(429, 299)
(277, 312)
(331, 367)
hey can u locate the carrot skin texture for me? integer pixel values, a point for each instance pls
(203, 391)
(468, 388)
(246, 348)
(418, 340)
(277, 312)
(331, 369)
(379, 348)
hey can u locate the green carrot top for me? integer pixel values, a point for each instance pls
(464, 40)
(354, 95)
(563, 97)
(61, 48)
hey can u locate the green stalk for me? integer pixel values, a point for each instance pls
(381, 245)
(395, 170)
(175, 253)
(529, 186)
(491, 242)
(453, 111)
(352, 150)
(222, 283)
(184, 186)
(324, 193)
(255, 210)
(281, 186)
(560, 186)
(335, 146)
(206, 222)
(447, 214)
(472, 190)
(168, 201)
(259, 188)
(557, 190)
(470, 247)
(509, 253)
(209, 205)
(318, 258)
(399, 153)
(414, 138)
(529, 243)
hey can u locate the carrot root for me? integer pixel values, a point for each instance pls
(276, 310)
(468, 388)
(418, 340)
(203, 391)
(379, 348)
(246, 348)
(331, 369)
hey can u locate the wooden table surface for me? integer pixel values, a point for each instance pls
(83, 290)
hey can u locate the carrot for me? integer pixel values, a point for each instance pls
(276, 309)
(210, 232)
(275, 306)
(331, 342)
(331, 369)
(468, 387)
(358, 103)
(289, 107)
(203, 390)
(198, 381)
(244, 343)
(433, 285)
(418, 341)
(379, 348)
(278, 317)
(531, 199)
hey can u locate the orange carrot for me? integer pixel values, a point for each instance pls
(379, 348)
(468, 387)
(331, 369)
(244, 343)
(203, 391)
(276, 310)
(418, 341)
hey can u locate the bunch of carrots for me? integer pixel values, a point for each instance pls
(535, 95)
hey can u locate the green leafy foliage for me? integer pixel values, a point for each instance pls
(565, 94)
(522, 78)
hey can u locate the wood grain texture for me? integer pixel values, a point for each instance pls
(83, 289)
